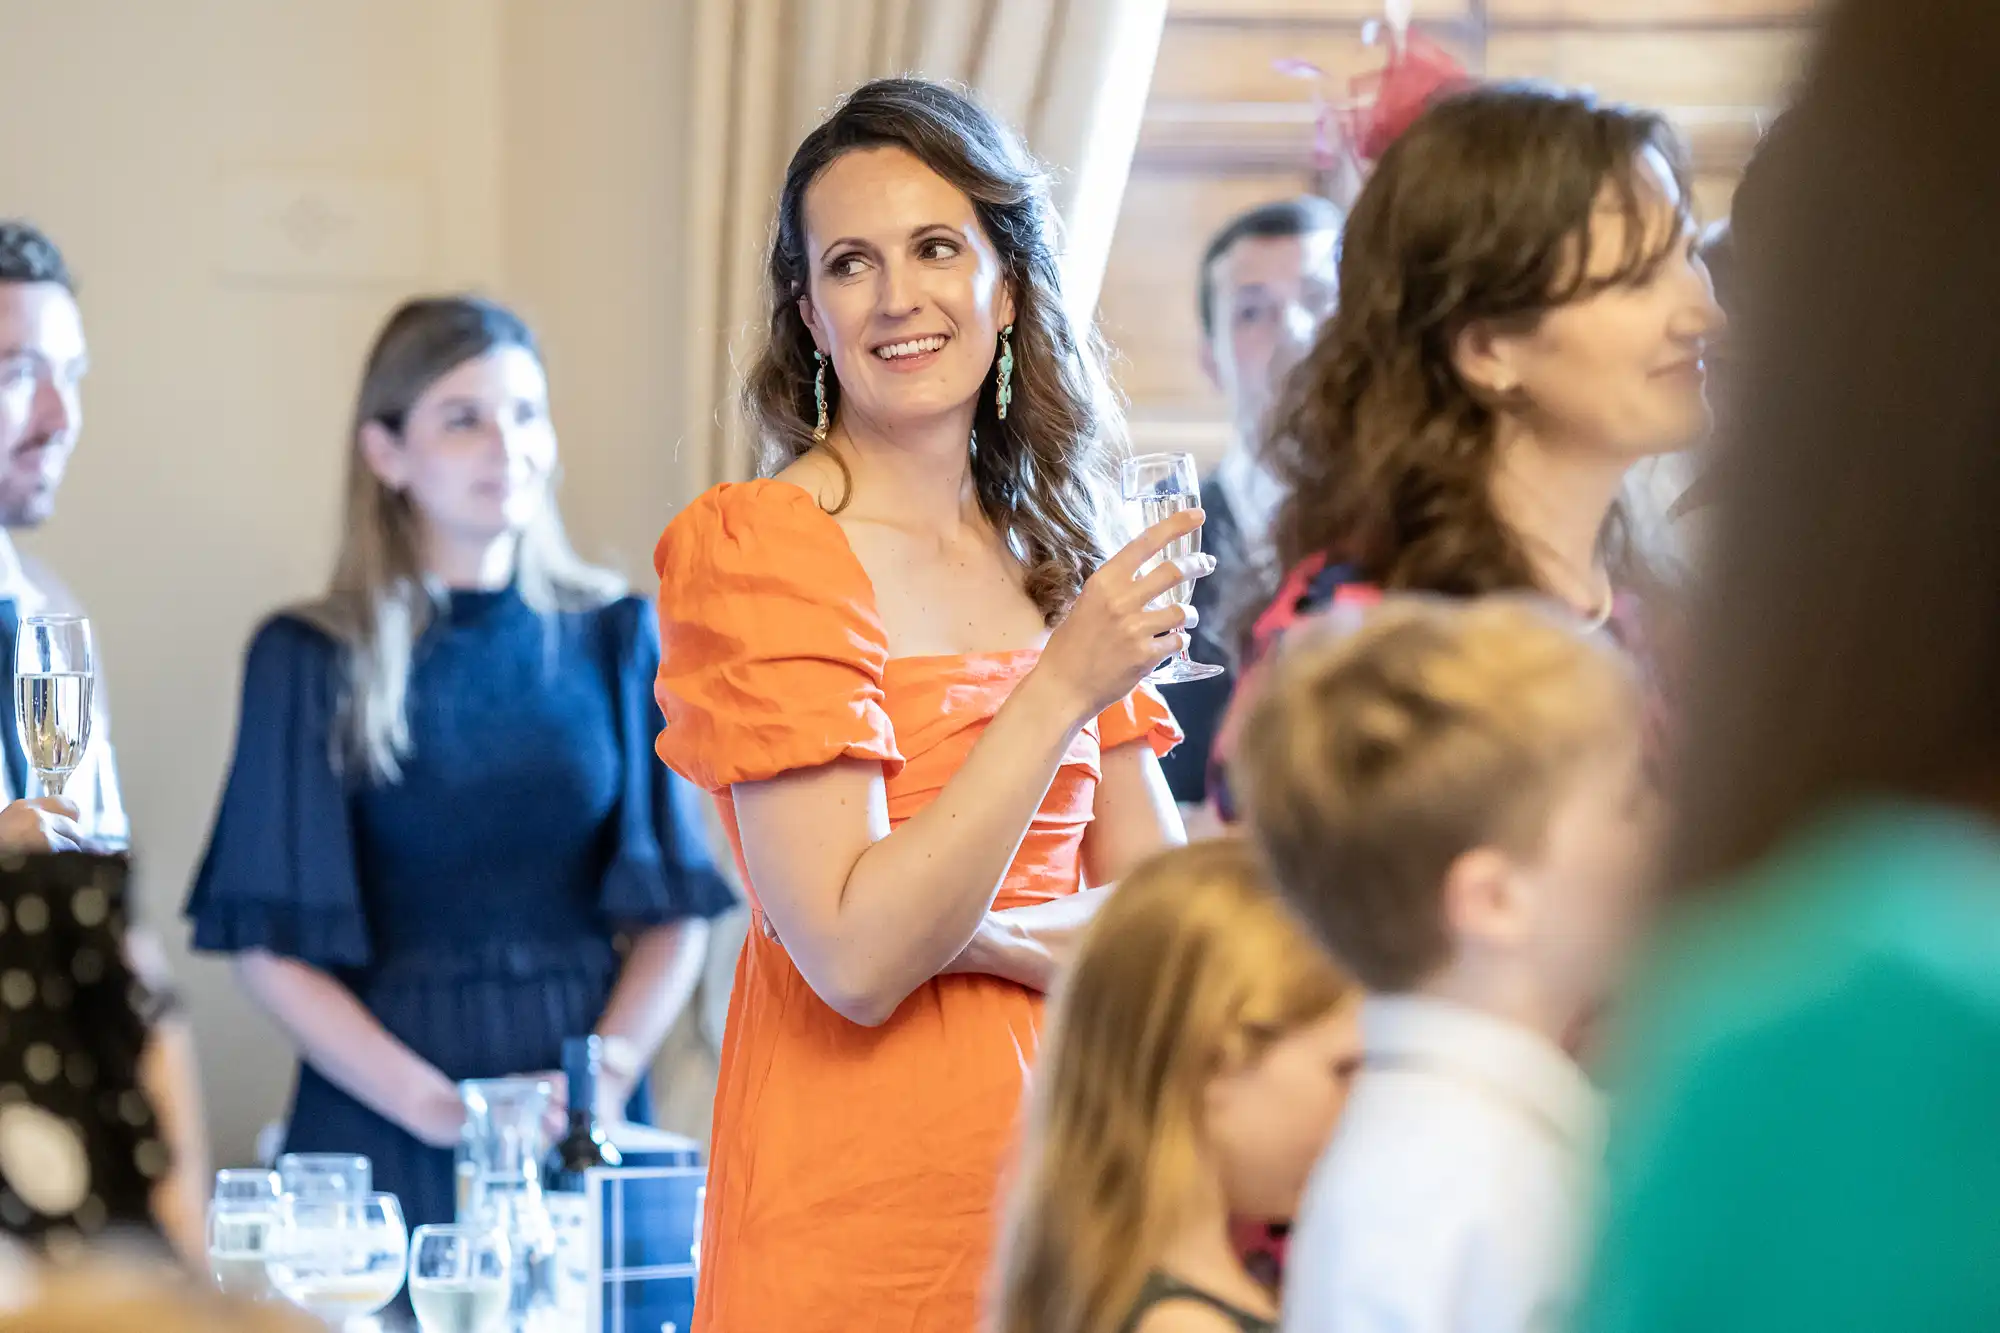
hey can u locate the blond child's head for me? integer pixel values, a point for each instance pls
(1454, 794)
(1197, 1058)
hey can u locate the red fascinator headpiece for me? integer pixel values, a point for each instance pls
(1381, 103)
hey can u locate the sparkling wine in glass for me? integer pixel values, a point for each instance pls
(53, 678)
(1156, 487)
(460, 1279)
(339, 1259)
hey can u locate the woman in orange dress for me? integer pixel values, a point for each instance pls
(914, 684)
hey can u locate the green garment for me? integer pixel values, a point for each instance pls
(1806, 1133)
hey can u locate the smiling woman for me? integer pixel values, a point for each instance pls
(1523, 318)
(911, 214)
(930, 790)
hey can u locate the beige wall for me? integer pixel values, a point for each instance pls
(519, 146)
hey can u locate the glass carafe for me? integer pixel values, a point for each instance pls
(499, 1163)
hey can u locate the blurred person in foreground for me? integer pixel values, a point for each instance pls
(1267, 281)
(1201, 1049)
(1805, 1137)
(116, 1297)
(92, 1162)
(1454, 797)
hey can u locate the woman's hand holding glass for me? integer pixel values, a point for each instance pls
(1116, 633)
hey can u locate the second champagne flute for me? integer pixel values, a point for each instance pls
(53, 679)
(1156, 487)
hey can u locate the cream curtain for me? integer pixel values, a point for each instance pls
(1072, 75)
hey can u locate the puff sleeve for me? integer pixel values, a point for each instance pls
(1140, 715)
(771, 652)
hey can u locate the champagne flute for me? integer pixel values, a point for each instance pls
(53, 679)
(339, 1259)
(459, 1279)
(1156, 487)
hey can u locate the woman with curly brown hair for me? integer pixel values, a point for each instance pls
(1523, 318)
(913, 681)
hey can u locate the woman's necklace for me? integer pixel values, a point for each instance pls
(1607, 603)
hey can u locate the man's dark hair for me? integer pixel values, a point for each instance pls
(26, 255)
(1300, 216)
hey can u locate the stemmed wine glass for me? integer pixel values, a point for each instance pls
(242, 1218)
(53, 679)
(339, 1259)
(1156, 487)
(459, 1279)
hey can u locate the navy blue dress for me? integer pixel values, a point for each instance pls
(472, 906)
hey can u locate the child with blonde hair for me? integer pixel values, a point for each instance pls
(1198, 1058)
(1454, 797)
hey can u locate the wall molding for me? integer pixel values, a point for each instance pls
(1259, 138)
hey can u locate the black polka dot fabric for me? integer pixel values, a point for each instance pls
(80, 1148)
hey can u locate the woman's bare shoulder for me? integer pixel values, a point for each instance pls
(818, 474)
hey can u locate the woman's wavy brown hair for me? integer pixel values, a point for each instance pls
(1480, 211)
(1039, 473)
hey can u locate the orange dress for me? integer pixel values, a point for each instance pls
(854, 1171)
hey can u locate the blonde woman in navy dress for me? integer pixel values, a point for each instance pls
(445, 845)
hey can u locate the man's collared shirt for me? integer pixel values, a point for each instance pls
(1453, 1197)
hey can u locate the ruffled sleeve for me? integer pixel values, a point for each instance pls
(279, 871)
(771, 651)
(662, 869)
(1140, 715)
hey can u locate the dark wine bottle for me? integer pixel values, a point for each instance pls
(584, 1144)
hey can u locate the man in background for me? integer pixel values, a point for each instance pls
(43, 358)
(42, 363)
(1267, 281)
